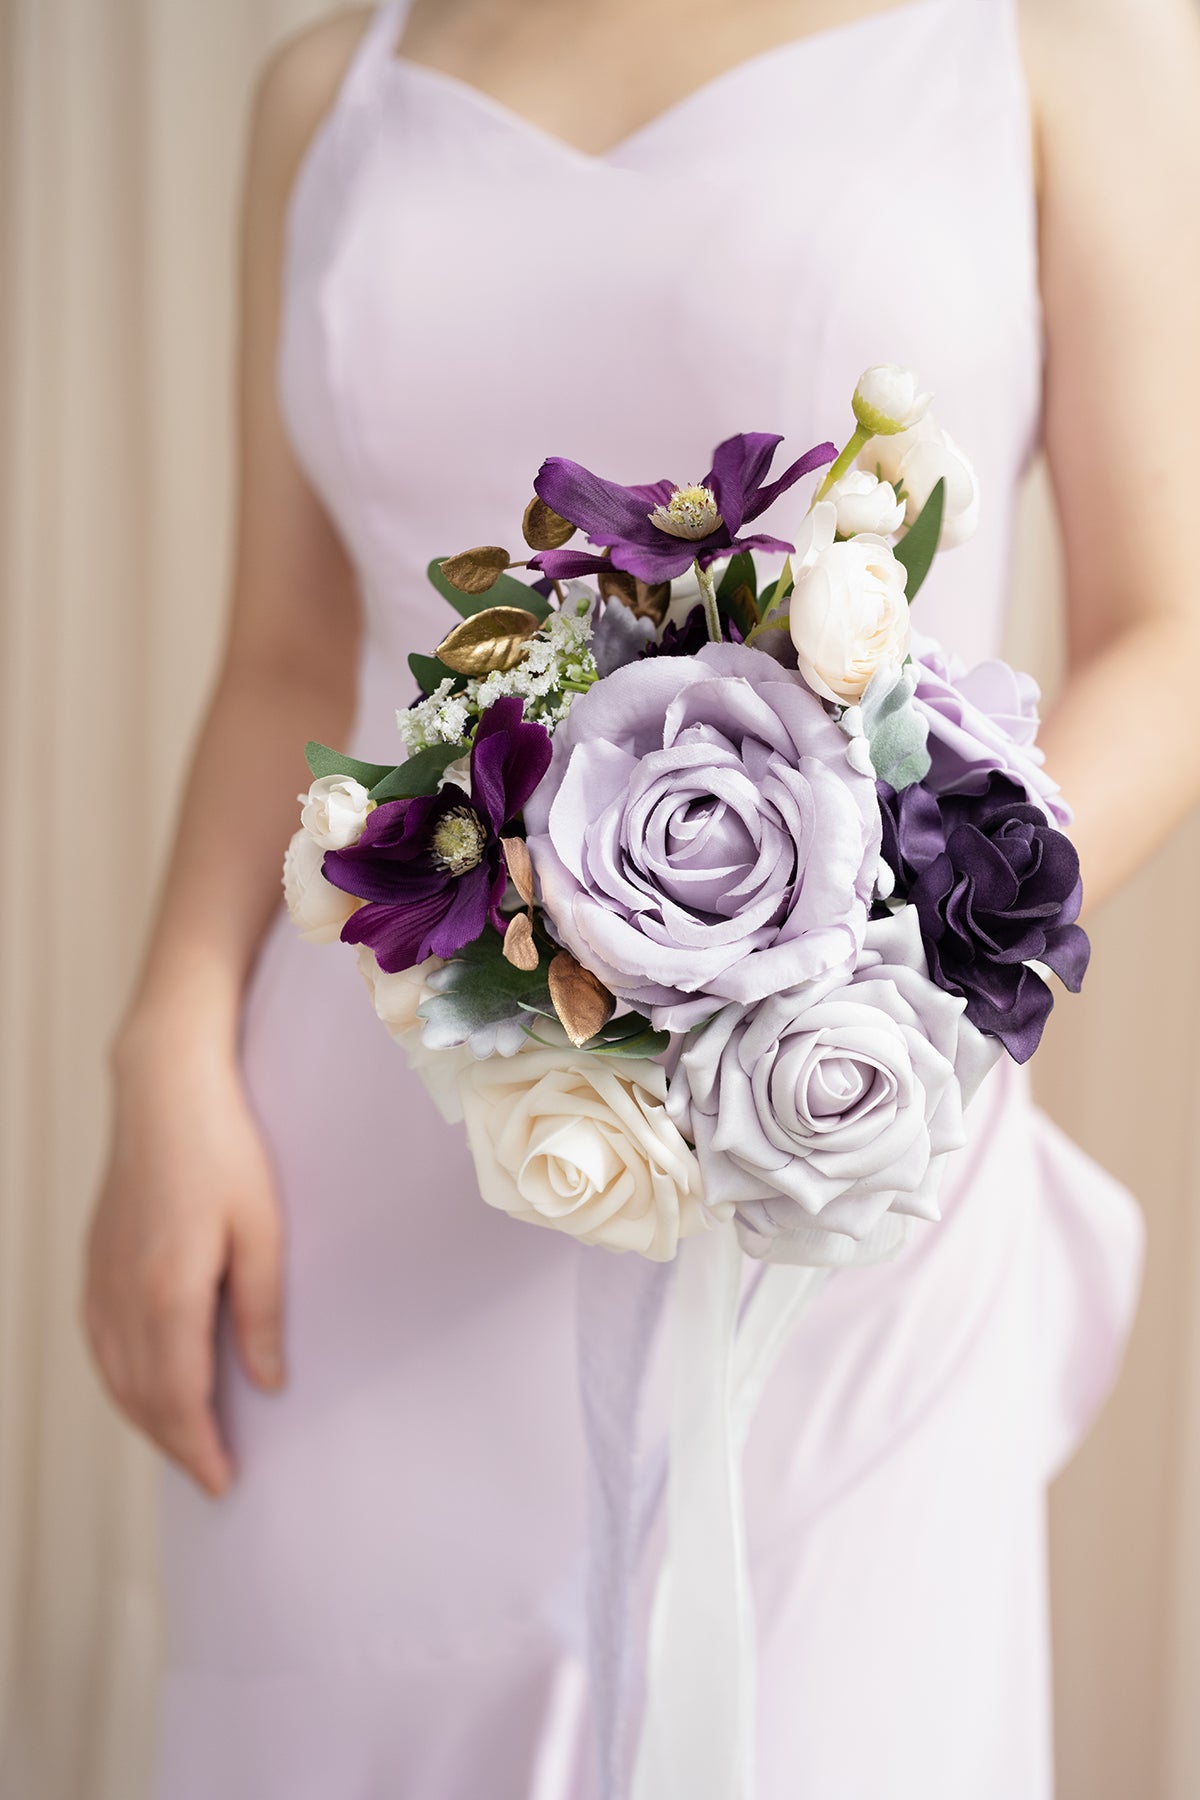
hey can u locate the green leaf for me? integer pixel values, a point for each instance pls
(324, 761)
(505, 591)
(739, 572)
(641, 1044)
(918, 546)
(478, 991)
(896, 731)
(419, 775)
(430, 671)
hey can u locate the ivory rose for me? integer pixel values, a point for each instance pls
(832, 1106)
(849, 615)
(583, 1144)
(334, 811)
(318, 909)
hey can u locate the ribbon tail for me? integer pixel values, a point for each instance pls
(620, 1302)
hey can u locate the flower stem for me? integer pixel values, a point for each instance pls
(837, 469)
(708, 593)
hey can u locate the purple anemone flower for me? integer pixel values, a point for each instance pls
(656, 532)
(689, 638)
(431, 869)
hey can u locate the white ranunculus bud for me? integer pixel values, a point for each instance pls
(849, 616)
(886, 400)
(318, 909)
(396, 997)
(915, 461)
(334, 811)
(864, 503)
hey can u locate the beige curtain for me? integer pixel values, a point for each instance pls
(121, 128)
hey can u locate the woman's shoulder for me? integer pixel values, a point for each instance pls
(297, 87)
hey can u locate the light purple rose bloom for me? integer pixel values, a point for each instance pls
(701, 837)
(821, 1110)
(980, 720)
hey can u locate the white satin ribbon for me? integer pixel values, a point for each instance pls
(697, 1737)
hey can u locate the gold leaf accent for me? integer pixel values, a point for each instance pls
(543, 528)
(488, 640)
(520, 866)
(519, 947)
(475, 571)
(581, 1000)
(645, 600)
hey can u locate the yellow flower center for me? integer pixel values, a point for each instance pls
(459, 840)
(691, 512)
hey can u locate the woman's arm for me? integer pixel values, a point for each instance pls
(1116, 88)
(188, 1201)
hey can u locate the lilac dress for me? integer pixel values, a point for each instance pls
(388, 1605)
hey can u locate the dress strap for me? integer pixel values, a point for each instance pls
(376, 49)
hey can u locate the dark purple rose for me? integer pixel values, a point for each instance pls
(690, 637)
(995, 888)
(431, 869)
(656, 532)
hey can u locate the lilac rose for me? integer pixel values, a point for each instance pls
(820, 1111)
(980, 720)
(701, 836)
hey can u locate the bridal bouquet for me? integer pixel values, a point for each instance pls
(707, 891)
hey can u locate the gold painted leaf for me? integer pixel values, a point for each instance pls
(519, 947)
(475, 571)
(520, 866)
(581, 1000)
(488, 640)
(543, 528)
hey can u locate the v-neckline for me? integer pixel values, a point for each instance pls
(490, 105)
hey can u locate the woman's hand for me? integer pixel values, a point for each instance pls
(188, 1203)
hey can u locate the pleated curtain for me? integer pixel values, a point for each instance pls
(121, 137)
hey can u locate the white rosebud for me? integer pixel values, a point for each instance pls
(849, 617)
(334, 811)
(886, 400)
(864, 503)
(318, 909)
(917, 460)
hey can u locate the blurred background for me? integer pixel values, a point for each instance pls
(121, 138)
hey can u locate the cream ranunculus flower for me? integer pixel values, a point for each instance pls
(334, 811)
(920, 458)
(887, 400)
(583, 1143)
(849, 616)
(864, 503)
(397, 997)
(318, 909)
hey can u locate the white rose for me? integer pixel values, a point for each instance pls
(584, 1145)
(849, 617)
(918, 460)
(887, 400)
(318, 909)
(864, 503)
(334, 811)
